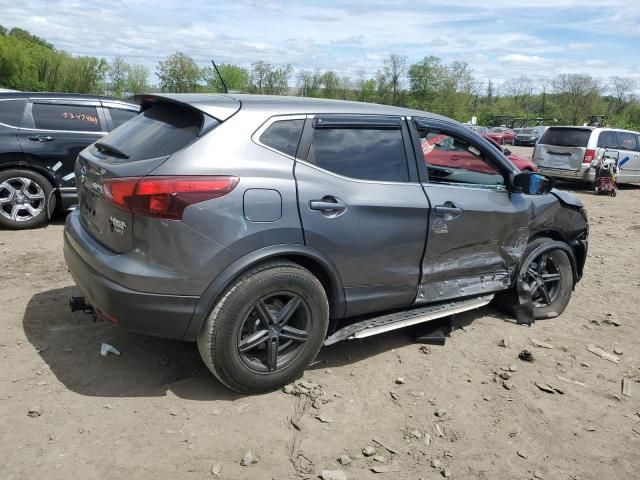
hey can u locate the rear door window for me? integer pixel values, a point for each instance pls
(119, 116)
(283, 136)
(11, 112)
(566, 137)
(52, 116)
(160, 130)
(627, 141)
(361, 153)
(608, 139)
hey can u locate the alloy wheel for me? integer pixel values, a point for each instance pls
(544, 278)
(21, 199)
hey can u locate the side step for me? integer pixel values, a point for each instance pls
(392, 321)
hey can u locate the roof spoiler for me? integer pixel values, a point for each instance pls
(218, 106)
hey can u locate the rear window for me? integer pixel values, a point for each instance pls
(11, 112)
(627, 141)
(161, 130)
(283, 136)
(566, 137)
(75, 118)
(607, 139)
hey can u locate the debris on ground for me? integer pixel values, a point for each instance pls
(304, 387)
(617, 351)
(388, 468)
(248, 459)
(446, 473)
(216, 470)
(324, 419)
(624, 387)
(438, 430)
(394, 395)
(440, 412)
(34, 412)
(602, 354)
(569, 380)
(386, 446)
(379, 459)
(636, 428)
(333, 475)
(416, 434)
(400, 380)
(545, 387)
(368, 451)
(344, 460)
(540, 343)
(521, 454)
(512, 368)
(525, 356)
(106, 349)
(503, 342)
(435, 463)
(425, 349)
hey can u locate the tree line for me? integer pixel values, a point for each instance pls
(451, 89)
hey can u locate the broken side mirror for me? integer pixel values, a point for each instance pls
(533, 183)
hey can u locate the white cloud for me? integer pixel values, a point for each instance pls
(580, 46)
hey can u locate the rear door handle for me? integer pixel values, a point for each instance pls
(327, 204)
(41, 138)
(449, 210)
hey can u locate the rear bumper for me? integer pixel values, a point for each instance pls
(68, 198)
(147, 313)
(583, 175)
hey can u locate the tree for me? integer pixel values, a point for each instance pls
(426, 78)
(137, 79)
(178, 73)
(236, 78)
(622, 89)
(391, 79)
(576, 93)
(118, 75)
(258, 76)
(520, 89)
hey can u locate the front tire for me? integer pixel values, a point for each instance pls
(26, 199)
(266, 328)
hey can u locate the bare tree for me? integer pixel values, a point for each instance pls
(576, 94)
(520, 88)
(622, 89)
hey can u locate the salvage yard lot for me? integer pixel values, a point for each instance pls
(156, 412)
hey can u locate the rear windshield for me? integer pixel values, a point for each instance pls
(566, 137)
(161, 130)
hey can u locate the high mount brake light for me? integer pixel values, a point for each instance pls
(165, 197)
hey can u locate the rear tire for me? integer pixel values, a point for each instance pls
(558, 292)
(242, 342)
(26, 199)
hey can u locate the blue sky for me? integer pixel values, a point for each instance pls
(498, 38)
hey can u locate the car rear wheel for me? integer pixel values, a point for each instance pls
(550, 280)
(266, 328)
(26, 199)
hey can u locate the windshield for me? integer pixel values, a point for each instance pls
(528, 131)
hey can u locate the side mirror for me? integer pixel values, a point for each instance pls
(533, 183)
(506, 151)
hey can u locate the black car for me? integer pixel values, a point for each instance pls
(41, 135)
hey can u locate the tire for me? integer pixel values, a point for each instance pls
(237, 317)
(26, 199)
(560, 294)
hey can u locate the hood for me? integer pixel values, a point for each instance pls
(567, 198)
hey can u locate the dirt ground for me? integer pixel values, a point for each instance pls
(156, 412)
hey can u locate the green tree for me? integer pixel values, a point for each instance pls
(118, 75)
(236, 78)
(577, 93)
(137, 77)
(178, 73)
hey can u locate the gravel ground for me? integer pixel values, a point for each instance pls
(156, 412)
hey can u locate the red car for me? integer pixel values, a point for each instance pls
(523, 163)
(502, 135)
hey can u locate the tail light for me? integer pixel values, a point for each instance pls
(165, 197)
(589, 155)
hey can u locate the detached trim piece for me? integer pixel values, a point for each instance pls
(393, 321)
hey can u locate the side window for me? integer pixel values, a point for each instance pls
(49, 116)
(11, 112)
(362, 153)
(119, 116)
(608, 139)
(283, 135)
(627, 141)
(452, 160)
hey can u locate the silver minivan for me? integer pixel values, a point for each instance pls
(567, 152)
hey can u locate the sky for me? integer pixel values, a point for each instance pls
(497, 38)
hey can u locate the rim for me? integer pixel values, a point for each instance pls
(274, 332)
(21, 199)
(544, 279)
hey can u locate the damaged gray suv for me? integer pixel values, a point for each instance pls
(265, 227)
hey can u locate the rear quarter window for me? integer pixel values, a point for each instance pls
(627, 141)
(283, 136)
(566, 137)
(11, 112)
(119, 116)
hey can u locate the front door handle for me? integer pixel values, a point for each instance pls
(41, 138)
(448, 210)
(327, 204)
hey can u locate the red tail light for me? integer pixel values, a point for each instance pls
(165, 197)
(589, 155)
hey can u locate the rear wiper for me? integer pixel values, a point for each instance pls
(108, 149)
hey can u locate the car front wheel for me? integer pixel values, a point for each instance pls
(26, 199)
(266, 328)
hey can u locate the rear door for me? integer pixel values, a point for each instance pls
(629, 158)
(361, 205)
(562, 148)
(54, 133)
(477, 228)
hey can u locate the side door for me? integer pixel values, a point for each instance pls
(629, 158)
(478, 230)
(362, 205)
(55, 131)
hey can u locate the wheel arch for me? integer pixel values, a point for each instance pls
(313, 260)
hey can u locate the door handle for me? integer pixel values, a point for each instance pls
(327, 204)
(449, 210)
(41, 138)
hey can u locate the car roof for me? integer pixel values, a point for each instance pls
(60, 96)
(281, 105)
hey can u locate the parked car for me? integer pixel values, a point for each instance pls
(567, 152)
(41, 135)
(526, 136)
(264, 227)
(502, 135)
(523, 163)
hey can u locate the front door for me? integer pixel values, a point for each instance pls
(362, 205)
(56, 133)
(477, 228)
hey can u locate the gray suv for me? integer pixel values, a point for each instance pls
(265, 227)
